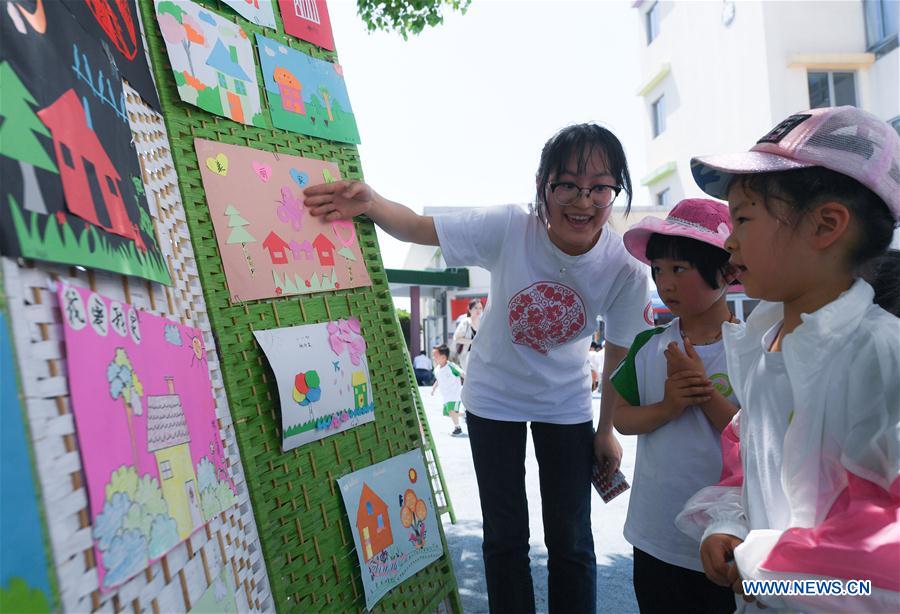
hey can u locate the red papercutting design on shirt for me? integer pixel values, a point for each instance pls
(545, 315)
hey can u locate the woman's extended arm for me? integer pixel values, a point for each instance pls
(344, 200)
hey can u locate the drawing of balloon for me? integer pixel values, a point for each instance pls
(306, 388)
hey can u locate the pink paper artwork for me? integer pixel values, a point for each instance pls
(147, 431)
(269, 243)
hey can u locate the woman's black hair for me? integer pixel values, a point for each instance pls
(580, 140)
(800, 191)
(709, 260)
(883, 274)
(472, 303)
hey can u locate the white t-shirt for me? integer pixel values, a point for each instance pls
(449, 382)
(422, 362)
(677, 459)
(768, 392)
(528, 360)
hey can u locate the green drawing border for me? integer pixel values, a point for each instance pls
(305, 534)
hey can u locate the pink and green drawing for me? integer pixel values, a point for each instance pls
(147, 430)
(269, 245)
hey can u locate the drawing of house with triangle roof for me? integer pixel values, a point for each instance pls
(168, 440)
(232, 79)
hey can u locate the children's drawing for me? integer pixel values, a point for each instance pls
(25, 580)
(393, 521)
(71, 182)
(306, 95)
(269, 245)
(212, 60)
(260, 12)
(323, 379)
(115, 24)
(149, 444)
(308, 20)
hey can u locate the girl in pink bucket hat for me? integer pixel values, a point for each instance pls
(674, 393)
(810, 489)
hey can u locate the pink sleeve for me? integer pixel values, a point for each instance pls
(859, 539)
(719, 508)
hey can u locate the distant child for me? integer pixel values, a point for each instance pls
(674, 393)
(810, 487)
(448, 377)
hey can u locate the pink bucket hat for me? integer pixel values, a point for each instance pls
(845, 139)
(700, 219)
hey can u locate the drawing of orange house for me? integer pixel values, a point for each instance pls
(373, 523)
(90, 180)
(290, 89)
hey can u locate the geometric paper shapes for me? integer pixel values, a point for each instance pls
(212, 61)
(393, 521)
(268, 243)
(70, 180)
(305, 94)
(317, 399)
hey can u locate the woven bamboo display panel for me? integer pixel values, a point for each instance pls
(231, 541)
(305, 533)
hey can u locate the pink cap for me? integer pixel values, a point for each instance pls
(700, 219)
(845, 139)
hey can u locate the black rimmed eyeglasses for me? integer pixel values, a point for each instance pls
(602, 196)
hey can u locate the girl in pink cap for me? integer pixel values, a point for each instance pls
(810, 497)
(674, 393)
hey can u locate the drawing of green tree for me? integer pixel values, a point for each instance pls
(124, 384)
(326, 97)
(17, 135)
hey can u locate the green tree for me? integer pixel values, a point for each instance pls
(17, 136)
(406, 16)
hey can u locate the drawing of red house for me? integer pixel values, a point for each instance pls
(90, 181)
(277, 248)
(290, 89)
(372, 523)
(324, 250)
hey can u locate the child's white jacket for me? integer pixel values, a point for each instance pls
(840, 457)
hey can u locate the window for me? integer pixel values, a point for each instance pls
(111, 185)
(369, 509)
(239, 87)
(882, 17)
(662, 197)
(165, 468)
(831, 89)
(222, 81)
(380, 521)
(66, 154)
(651, 18)
(658, 112)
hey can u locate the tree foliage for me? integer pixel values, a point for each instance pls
(406, 16)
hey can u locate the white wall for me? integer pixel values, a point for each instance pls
(728, 85)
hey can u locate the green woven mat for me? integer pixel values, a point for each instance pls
(306, 537)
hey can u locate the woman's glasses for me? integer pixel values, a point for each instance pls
(602, 196)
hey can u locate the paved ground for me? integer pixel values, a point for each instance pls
(614, 592)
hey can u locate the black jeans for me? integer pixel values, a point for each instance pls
(564, 453)
(663, 588)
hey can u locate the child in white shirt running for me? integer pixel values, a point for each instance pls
(674, 393)
(810, 489)
(448, 378)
